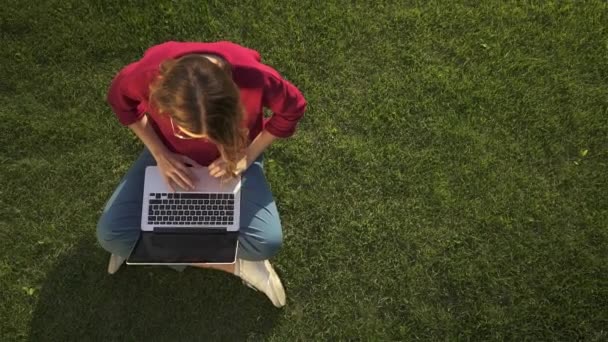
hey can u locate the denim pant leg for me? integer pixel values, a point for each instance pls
(260, 235)
(119, 226)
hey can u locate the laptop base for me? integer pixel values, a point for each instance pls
(154, 248)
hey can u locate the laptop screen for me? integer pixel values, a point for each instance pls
(184, 248)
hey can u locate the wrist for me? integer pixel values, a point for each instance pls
(242, 165)
(158, 152)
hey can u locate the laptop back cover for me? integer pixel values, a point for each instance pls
(184, 248)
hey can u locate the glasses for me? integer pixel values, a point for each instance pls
(180, 133)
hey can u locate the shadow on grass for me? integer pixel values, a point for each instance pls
(80, 301)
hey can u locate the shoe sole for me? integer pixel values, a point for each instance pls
(276, 286)
(112, 268)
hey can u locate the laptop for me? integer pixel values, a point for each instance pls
(185, 227)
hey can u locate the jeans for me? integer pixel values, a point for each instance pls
(260, 234)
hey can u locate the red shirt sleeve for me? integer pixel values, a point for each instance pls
(125, 95)
(286, 102)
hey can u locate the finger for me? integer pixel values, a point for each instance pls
(214, 169)
(169, 184)
(220, 173)
(181, 181)
(216, 163)
(186, 173)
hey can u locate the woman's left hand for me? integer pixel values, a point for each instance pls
(218, 167)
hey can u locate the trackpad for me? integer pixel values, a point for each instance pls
(179, 248)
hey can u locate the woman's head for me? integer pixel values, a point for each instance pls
(202, 101)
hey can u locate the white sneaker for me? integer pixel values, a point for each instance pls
(115, 262)
(260, 276)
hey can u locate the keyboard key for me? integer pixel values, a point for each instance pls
(182, 201)
(206, 202)
(165, 218)
(198, 213)
(152, 218)
(173, 207)
(152, 194)
(179, 207)
(230, 213)
(191, 207)
(176, 195)
(180, 212)
(188, 201)
(156, 201)
(157, 196)
(174, 212)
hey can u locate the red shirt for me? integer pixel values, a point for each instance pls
(260, 86)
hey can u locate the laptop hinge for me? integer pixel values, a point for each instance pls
(190, 230)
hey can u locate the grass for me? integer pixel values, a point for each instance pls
(449, 181)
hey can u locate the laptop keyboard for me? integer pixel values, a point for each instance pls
(191, 209)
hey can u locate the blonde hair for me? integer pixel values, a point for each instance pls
(201, 97)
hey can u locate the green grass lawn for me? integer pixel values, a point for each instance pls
(448, 182)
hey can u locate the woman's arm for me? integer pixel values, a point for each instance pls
(146, 134)
(255, 149)
(172, 166)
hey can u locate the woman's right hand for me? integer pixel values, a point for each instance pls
(175, 170)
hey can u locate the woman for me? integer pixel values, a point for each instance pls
(202, 104)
